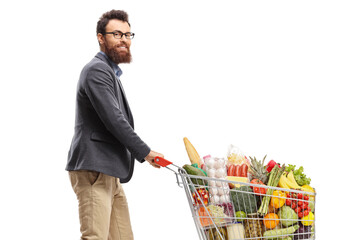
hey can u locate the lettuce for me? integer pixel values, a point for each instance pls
(299, 175)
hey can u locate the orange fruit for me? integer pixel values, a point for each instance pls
(271, 220)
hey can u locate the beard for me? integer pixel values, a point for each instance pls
(117, 56)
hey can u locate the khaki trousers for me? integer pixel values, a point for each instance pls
(103, 208)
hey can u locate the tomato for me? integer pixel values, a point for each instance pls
(258, 190)
(297, 210)
(300, 214)
(243, 170)
(300, 203)
(293, 205)
(288, 202)
(306, 197)
(300, 196)
(257, 181)
(306, 212)
(306, 204)
(237, 171)
(231, 170)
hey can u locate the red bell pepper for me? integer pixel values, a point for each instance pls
(271, 165)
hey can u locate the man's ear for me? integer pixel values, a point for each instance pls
(100, 38)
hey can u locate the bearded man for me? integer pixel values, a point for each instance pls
(105, 145)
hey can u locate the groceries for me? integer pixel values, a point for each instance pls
(300, 203)
(258, 170)
(278, 199)
(273, 234)
(253, 227)
(201, 196)
(237, 180)
(288, 216)
(219, 233)
(192, 153)
(236, 231)
(308, 220)
(234, 198)
(271, 220)
(244, 200)
(299, 175)
(219, 190)
(273, 181)
(196, 172)
(236, 157)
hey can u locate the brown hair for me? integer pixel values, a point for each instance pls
(113, 14)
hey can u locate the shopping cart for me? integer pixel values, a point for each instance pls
(236, 216)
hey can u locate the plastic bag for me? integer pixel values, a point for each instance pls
(235, 156)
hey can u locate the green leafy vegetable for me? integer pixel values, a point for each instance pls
(287, 216)
(299, 175)
(244, 199)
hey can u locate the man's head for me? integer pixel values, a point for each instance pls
(114, 36)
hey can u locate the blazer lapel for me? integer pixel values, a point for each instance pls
(124, 99)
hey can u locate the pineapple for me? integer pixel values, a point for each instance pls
(258, 170)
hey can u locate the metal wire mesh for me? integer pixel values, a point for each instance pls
(238, 215)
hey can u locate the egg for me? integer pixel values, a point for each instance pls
(215, 199)
(219, 184)
(212, 183)
(221, 191)
(220, 172)
(219, 163)
(211, 172)
(224, 199)
(214, 191)
(222, 184)
(210, 163)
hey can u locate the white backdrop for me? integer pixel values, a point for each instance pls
(271, 77)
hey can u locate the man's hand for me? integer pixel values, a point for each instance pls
(150, 158)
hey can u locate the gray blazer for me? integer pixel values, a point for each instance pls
(104, 138)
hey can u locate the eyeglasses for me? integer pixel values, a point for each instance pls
(119, 34)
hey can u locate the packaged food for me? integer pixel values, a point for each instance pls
(219, 190)
(217, 234)
(235, 156)
(235, 231)
(253, 227)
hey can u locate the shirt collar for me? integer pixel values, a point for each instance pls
(114, 66)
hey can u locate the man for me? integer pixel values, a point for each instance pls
(105, 145)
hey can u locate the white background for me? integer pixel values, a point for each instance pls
(271, 77)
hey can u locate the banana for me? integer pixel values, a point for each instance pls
(282, 182)
(292, 180)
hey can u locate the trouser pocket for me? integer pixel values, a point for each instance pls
(93, 177)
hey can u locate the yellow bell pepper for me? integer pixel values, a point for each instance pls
(308, 220)
(278, 199)
(307, 188)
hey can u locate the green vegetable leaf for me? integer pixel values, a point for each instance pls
(290, 167)
(302, 179)
(299, 175)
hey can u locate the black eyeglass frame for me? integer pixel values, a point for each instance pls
(131, 36)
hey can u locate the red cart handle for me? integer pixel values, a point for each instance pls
(162, 161)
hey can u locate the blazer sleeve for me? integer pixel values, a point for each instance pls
(99, 87)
